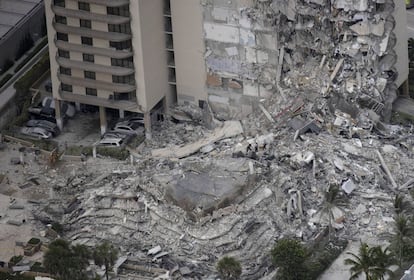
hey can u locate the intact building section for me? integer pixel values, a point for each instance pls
(108, 54)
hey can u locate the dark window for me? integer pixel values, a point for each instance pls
(120, 28)
(62, 36)
(85, 23)
(60, 19)
(60, 3)
(83, 6)
(62, 53)
(125, 96)
(88, 57)
(87, 41)
(89, 75)
(65, 71)
(121, 45)
(126, 62)
(66, 87)
(130, 79)
(91, 91)
(118, 11)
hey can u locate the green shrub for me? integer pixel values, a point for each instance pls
(78, 151)
(8, 276)
(229, 268)
(117, 153)
(34, 241)
(56, 226)
(5, 79)
(15, 259)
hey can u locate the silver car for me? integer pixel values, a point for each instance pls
(36, 132)
(131, 128)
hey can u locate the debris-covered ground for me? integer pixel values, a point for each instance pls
(194, 194)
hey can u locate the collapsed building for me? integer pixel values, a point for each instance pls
(140, 56)
(312, 83)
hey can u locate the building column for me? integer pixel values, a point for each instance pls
(121, 113)
(147, 125)
(58, 114)
(102, 118)
(406, 88)
(78, 107)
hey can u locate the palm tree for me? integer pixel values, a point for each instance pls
(401, 205)
(373, 262)
(229, 268)
(332, 201)
(105, 254)
(402, 237)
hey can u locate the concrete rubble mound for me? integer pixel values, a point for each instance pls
(175, 217)
(201, 188)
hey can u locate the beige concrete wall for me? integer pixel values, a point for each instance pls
(70, 21)
(101, 26)
(98, 9)
(52, 49)
(189, 49)
(401, 48)
(71, 4)
(147, 26)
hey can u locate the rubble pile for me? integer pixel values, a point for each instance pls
(236, 195)
(321, 49)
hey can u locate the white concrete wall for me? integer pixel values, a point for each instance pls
(187, 20)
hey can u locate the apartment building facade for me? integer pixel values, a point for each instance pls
(116, 54)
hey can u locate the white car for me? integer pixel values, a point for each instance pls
(131, 128)
(111, 142)
(36, 132)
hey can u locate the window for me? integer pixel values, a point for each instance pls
(87, 41)
(85, 23)
(126, 62)
(125, 96)
(118, 11)
(89, 75)
(66, 87)
(62, 36)
(62, 53)
(83, 6)
(91, 91)
(65, 71)
(120, 28)
(60, 3)
(88, 57)
(121, 45)
(130, 79)
(60, 19)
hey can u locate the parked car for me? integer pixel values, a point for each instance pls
(36, 132)
(135, 119)
(115, 134)
(111, 142)
(66, 108)
(47, 125)
(132, 128)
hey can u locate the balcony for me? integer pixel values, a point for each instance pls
(77, 81)
(110, 36)
(110, 52)
(108, 3)
(99, 101)
(87, 66)
(111, 19)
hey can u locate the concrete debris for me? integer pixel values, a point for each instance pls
(348, 186)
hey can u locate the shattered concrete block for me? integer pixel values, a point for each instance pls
(221, 33)
(214, 80)
(348, 186)
(250, 55)
(250, 89)
(234, 84)
(232, 51)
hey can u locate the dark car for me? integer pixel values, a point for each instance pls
(49, 126)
